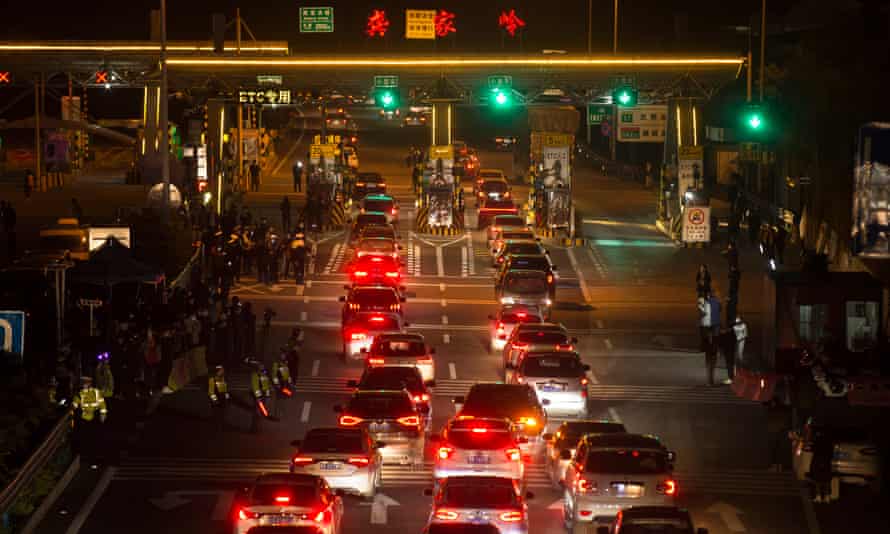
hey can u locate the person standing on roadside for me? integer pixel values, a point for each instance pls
(297, 171)
(703, 281)
(29, 183)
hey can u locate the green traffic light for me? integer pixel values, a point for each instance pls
(500, 98)
(755, 122)
(387, 99)
(624, 98)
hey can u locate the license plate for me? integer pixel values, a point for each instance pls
(553, 387)
(279, 520)
(627, 490)
(479, 459)
(329, 466)
(378, 427)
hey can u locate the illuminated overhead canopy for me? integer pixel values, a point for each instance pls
(252, 47)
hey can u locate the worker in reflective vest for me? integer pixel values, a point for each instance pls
(89, 400)
(217, 389)
(104, 377)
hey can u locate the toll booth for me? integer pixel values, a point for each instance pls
(440, 208)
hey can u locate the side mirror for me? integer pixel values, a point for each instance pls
(295, 443)
(545, 402)
(347, 287)
(458, 400)
(529, 495)
(565, 454)
(428, 492)
(554, 268)
(509, 366)
(672, 456)
(407, 325)
(338, 409)
(491, 317)
(574, 341)
(701, 531)
(602, 530)
(380, 444)
(547, 436)
(547, 252)
(793, 435)
(401, 299)
(430, 383)
(586, 367)
(538, 239)
(340, 492)
(403, 289)
(341, 299)
(351, 384)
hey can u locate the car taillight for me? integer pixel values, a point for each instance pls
(376, 361)
(354, 306)
(582, 485)
(447, 515)
(360, 274)
(282, 499)
(479, 430)
(514, 455)
(549, 278)
(300, 461)
(359, 461)
(445, 453)
(392, 274)
(668, 487)
(500, 328)
(425, 359)
(567, 348)
(376, 259)
(349, 420)
(411, 420)
(394, 211)
(521, 315)
(530, 422)
(424, 397)
(377, 319)
(357, 336)
(244, 513)
(512, 516)
(394, 307)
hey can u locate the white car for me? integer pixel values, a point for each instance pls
(289, 502)
(508, 316)
(346, 458)
(478, 446)
(363, 327)
(408, 350)
(558, 378)
(562, 442)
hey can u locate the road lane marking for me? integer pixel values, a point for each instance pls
(452, 370)
(444, 319)
(471, 253)
(416, 260)
(444, 302)
(442, 287)
(583, 283)
(305, 299)
(304, 316)
(809, 512)
(608, 343)
(307, 407)
(315, 366)
(440, 262)
(613, 414)
(599, 323)
(592, 377)
(308, 284)
(92, 500)
(464, 266)
(446, 338)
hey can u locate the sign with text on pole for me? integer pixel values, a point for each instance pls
(12, 332)
(500, 81)
(420, 24)
(697, 224)
(597, 113)
(317, 151)
(689, 168)
(642, 124)
(386, 81)
(316, 19)
(264, 96)
(269, 79)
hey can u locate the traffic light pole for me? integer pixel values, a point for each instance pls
(38, 152)
(162, 108)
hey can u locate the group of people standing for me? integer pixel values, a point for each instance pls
(716, 336)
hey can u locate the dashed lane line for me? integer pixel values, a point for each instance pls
(464, 264)
(304, 415)
(583, 283)
(452, 370)
(440, 262)
(315, 365)
(446, 338)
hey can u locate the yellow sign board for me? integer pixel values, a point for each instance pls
(420, 24)
(329, 140)
(691, 152)
(441, 152)
(555, 140)
(317, 151)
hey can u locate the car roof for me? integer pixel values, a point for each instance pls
(288, 479)
(356, 289)
(478, 481)
(520, 257)
(401, 337)
(467, 421)
(492, 386)
(552, 354)
(381, 393)
(490, 171)
(395, 370)
(363, 317)
(378, 239)
(623, 440)
(368, 214)
(366, 176)
(544, 327)
(514, 308)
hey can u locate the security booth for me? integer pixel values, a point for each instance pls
(833, 318)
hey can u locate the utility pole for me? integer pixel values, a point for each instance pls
(615, 29)
(762, 43)
(162, 109)
(589, 27)
(38, 153)
(242, 180)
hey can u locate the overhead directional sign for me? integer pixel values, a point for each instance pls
(420, 24)
(316, 19)
(388, 80)
(12, 331)
(269, 79)
(643, 124)
(500, 80)
(597, 113)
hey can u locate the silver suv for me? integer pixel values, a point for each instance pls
(610, 472)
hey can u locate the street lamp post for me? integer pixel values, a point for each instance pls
(615, 28)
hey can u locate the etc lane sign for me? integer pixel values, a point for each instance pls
(500, 81)
(316, 19)
(420, 24)
(264, 96)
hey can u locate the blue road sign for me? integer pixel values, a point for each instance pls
(12, 331)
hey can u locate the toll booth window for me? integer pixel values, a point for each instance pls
(811, 321)
(862, 325)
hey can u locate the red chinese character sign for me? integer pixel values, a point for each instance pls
(377, 24)
(444, 23)
(510, 22)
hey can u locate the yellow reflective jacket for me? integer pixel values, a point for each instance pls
(88, 400)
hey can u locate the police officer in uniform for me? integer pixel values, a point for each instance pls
(88, 401)
(218, 391)
(261, 390)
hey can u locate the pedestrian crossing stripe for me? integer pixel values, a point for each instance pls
(596, 392)
(731, 482)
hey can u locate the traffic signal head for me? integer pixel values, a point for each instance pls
(388, 99)
(501, 98)
(625, 96)
(754, 122)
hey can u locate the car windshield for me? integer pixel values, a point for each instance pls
(623, 461)
(391, 378)
(555, 365)
(489, 174)
(379, 323)
(378, 230)
(525, 284)
(656, 526)
(370, 177)
(494, 187)
(498, 401)
(521, 234)
(537, 263)
(571, 433)
(522, 248)
(509, 220)
(332, 441)
(483, 494)
(389, 406)
(378, 204)
(399, 347)
(374, 297)
(499, 204)
(480, 438)
(542, 337)
(376, 245)
(274, 495)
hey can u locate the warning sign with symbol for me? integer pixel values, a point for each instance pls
(697, 224)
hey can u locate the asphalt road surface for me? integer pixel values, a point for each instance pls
(628, 295)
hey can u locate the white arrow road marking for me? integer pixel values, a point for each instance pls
(174, 499)
(583, 283)
(442, 287)
(307, 406)
(452, 370)
(315, 365)
(169, 501)
(304, 316)
(378, 508)
(729, 514)
(608, 343)
(92, 500)
(557, 505)
(599, 323)
(613, 414)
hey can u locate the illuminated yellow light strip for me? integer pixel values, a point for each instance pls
(144, 105)
(222, 128)
(450, 136)
(679, 128)
(457, 62)
(694, 128)
(132, 48)
(434, 126)
(157, 109)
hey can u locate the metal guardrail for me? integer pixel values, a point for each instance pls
(35, 463)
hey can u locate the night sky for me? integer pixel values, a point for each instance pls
(645, 25)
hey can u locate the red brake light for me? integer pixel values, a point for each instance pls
(549, 278)
(357, 336)
(375, 259)
(511, 517)
(376, 361)
(447, 515)
(361, 274)
(394, 211)
(392, 274)
(585, 486)
(514, 455)
(500, 327)
(349, 420)
(411, 420)
(668, 487)
(521, 315)
(445, 453)
(480, 430)
(244, 513)
(282, 499)
(567, 348)
(377, 319)
(301, 460)
(422, 398)
(359, 461)
(584, 381)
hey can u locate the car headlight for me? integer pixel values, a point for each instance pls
(506, 300)
(547, 302)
